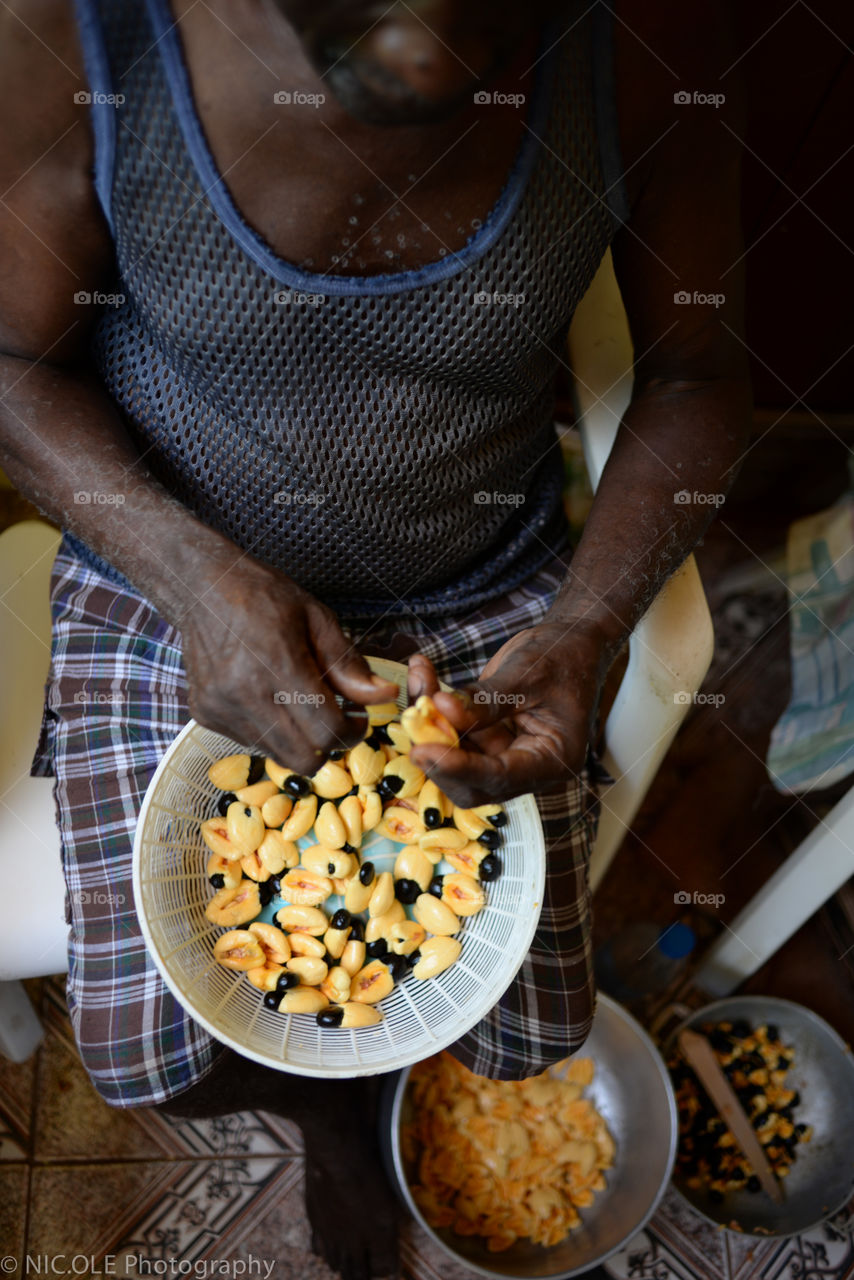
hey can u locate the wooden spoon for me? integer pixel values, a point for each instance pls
(701, 1056)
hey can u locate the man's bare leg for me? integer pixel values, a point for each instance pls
(351, 1208)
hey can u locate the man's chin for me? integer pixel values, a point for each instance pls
(368, 99)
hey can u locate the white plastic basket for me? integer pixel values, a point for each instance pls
(421, 1017)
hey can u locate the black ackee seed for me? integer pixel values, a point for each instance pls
(330, 1017)
(275, 884)
(448, 822)
(377, 949)
(393, 782)
(227, 798)
(330, 868)
(366, 873)
(285, 981)
(498, 819)
(772, 1031)
(490, 867)
(435, 886)
(413, 958)
(348, 848)
(271, 1000)
(490, 839)
(385, 790)
(337, 755)
(432, 818)
(265, 893)
(341, 919)
(296, 785)
(256, 770)
(218, 880)
(741, 1029)
(397, 967)
(720, 1040)
(381, 734)
(406, 891)
(357, 931)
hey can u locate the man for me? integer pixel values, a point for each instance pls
(337, 248)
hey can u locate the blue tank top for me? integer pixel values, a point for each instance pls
(387, 441)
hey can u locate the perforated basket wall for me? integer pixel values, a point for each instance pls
(421, 1017)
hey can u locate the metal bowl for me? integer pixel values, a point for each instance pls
(821, 1179)
(632, 1090)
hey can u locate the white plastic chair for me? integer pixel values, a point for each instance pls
(669, 654)
(33, 932)
(671, 647)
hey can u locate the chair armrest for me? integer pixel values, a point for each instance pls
(671, 648)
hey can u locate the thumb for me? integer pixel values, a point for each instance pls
(346, 670)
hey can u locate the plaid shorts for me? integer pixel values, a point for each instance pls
(116, 697)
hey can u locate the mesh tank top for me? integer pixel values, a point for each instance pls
(387, 441)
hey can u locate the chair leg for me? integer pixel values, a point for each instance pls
(20, 1030)
(819, 866)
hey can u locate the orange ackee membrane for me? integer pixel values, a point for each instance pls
(505, 1160)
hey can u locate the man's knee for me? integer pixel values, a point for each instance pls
(131, 1065)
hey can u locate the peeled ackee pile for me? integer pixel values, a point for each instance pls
(756, 1064)
(339, 965)
(505, 1160)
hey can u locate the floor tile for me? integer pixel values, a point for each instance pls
(208, 1206)
(73, 1121)
(87, 1209)
(14, 1179)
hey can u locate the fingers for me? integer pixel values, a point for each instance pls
(471, 778)
(345, 669)
(421, 677)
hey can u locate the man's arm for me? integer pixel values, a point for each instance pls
(682, 436)
(247, 630)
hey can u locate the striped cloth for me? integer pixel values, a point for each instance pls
(116, 698)
(812, 744)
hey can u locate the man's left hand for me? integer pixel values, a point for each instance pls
(524, 723)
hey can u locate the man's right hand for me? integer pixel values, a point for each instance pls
(264, 661)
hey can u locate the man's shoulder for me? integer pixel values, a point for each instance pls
(669, 54)
(41, 69)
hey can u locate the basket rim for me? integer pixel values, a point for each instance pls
(535, 851)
